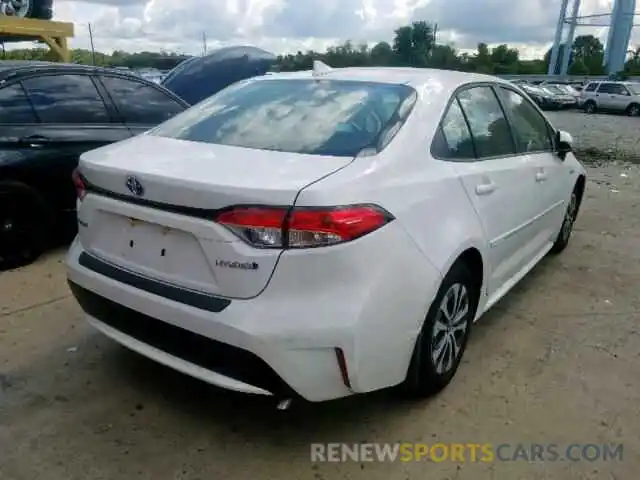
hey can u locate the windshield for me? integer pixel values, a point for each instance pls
(323, 117)
(634, 88)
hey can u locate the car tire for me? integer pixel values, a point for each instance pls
(590, 107)
(23, 10)
(633, 110)
(424, 376)
(24, 225)
(562, 240)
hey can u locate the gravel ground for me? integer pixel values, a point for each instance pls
(557, 361)
(600, 138)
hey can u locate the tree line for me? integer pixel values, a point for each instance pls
(413, 45)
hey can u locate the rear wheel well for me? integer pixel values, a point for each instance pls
(472, 259)
(579, 188)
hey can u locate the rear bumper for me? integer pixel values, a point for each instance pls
(284, 341)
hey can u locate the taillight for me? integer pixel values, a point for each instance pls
(79, 183)
(303, 227)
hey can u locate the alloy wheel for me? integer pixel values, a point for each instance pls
(15, 8)
(570, 217)
(634, 111)
(449, 328)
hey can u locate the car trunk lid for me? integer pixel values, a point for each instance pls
(152, 204)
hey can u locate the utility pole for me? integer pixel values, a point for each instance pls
(93, 51)
(204, 43)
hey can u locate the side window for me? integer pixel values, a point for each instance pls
(453, 140)
(489, 127)
(591, 87)
(66, 99)
(529, 127)
(619, 89)
(15, 106)
(607, 88)
(140, 103)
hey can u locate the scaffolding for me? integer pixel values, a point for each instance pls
(54, 34)
(619, 21)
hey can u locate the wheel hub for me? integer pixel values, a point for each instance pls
(450, 328)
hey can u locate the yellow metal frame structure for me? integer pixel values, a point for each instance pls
(54, 34)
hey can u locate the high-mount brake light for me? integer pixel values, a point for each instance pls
(303, 227)
(80, 184)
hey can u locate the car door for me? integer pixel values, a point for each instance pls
(499, 183)
(605, 96)
(620, 97)
(535, 140)
(141, 104)
(18, 121)
(72, 119)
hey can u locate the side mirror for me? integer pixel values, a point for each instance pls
(564, 143)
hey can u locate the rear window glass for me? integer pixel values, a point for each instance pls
(323, 117)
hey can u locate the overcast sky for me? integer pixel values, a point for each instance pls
(289, 25)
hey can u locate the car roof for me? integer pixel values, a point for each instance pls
(415, 77)
(20, 68)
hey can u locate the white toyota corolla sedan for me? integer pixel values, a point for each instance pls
(322, 234)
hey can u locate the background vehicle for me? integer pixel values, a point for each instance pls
(560, 97)
(49, 115)
(545, 98)
(615, 97)
(323, 234)
(41, 9)
(199, 77)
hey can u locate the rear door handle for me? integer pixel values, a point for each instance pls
(34, 141)
(485, 188)
(541, 176)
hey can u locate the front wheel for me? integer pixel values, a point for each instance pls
(633, 110)
(562, 240)
(443, 338)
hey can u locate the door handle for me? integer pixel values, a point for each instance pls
(34, 141)
(541, 176)
(485, 188)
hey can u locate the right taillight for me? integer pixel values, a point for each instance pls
(303, 227)
(79, 183)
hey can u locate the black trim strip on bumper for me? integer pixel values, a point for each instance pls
(213, 355)
(199, 300)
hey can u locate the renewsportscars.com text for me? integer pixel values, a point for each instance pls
(466, 452)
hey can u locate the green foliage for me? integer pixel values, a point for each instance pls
(413, 45)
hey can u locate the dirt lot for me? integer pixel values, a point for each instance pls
(558, 361)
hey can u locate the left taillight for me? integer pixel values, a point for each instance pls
(79, 183)
(303, 227)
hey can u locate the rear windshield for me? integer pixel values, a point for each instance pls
(322, 117)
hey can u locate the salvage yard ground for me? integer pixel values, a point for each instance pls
(558, 361)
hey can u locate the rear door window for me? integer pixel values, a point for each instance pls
(140, 103)
(66, 99)
(14, 106)
(489, 127)
(326, 117)
(607, 88)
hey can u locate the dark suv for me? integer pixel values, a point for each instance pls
(49, 115)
